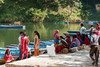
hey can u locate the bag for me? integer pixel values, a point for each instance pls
(51, 50)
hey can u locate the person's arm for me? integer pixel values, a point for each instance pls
(35, 42)
(21, 40)
(28, 41)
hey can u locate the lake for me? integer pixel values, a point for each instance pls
(46, 31)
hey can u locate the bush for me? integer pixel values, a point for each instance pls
(36, 15)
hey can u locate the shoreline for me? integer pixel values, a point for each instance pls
(77, 59)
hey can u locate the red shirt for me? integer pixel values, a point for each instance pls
(68, 40)
(87, 41)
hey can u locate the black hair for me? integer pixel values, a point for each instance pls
(74, 36)
(6, 52)
(21, 32)
(24, 33)
(61, 37)
(37, 34)
(82, 25)
(86, 35)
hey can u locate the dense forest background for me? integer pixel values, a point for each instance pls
(48, 10)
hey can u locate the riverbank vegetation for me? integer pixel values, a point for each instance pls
(48, 10)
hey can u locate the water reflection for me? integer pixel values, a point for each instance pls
(46, 31)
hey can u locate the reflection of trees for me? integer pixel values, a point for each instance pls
(46, 31)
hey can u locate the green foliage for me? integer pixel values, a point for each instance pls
(47, 10)
(36, 15)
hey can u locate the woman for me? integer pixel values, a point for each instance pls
(36, 43)
(24, 46)
(8, 57)
(56, 38)
(79, 38)
(63, 44)
(98, 26)
(98, 29)
(75, 42)
(87, 41)
(68, 39)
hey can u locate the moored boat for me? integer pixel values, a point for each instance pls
(76, 31)
(72, 34)
(12, 27)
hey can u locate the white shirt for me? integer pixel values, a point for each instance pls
(91, 28)
(83, 30)
(19, 38)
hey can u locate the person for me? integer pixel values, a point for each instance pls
(61, 45)
(36, 43)
(90, 30)
(75, 42)
(82, 32)
(97, 26)
(8, 57)
(56, 38)
(98, 29)
(24, 46)
(87, 41)
(79, 38)
(19, 45)
(68, 39)
(94, 48)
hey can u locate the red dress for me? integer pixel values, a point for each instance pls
(68, 40)
(8, 58)
(24, 47)
(60, 47)
(87, 41)
(80, 40)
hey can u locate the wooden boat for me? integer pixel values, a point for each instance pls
(76, 31)
(12, 27)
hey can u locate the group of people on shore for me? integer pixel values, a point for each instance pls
(83, 37)
(91, 39)
(70, 41)
(23, 47)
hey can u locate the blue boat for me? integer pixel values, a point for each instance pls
(76, 31)
(72, 34)
(91, 22)
(15, 50)
(12, 27)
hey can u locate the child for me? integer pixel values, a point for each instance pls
(56, 38)
(8, 57)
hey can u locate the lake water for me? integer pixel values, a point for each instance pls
(46, 31)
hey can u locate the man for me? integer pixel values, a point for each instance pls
(19, 45)
(82, 32)
(91, 28)
(94, 48)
